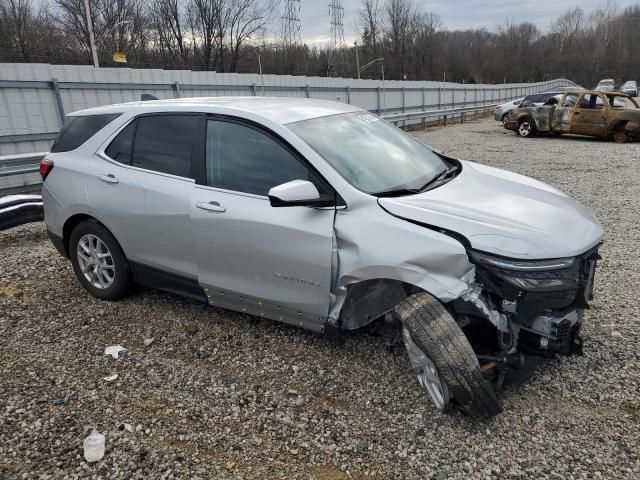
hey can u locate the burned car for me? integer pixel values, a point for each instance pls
(323, 216)
(596, 114)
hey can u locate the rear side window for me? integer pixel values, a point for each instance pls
(164, 143)
(121, 147)
(77, 130)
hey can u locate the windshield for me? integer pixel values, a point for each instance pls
(369, 153)
(606, 83)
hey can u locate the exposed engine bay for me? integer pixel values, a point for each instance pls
(532, 307)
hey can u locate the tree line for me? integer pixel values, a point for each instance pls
(230, 36)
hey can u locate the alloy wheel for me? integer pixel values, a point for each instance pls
(95, 261)
(426, 372)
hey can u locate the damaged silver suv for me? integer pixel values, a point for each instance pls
(321, 215)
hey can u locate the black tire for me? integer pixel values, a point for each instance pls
(438, 335)
(122, 284)
(526, 132)
(504, 118)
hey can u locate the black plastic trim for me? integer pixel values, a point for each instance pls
(167, 281)
(58, 242)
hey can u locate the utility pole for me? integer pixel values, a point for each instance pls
(355, 44)
(92, 40)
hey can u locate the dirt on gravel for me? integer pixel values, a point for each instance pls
(207, 393)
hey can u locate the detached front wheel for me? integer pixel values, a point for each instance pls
(444, 361)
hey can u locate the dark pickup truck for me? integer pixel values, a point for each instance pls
(613, 116)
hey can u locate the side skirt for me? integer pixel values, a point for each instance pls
(167, 281)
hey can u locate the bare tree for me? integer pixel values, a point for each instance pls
(169, 23)
(246, 19)
(568, 28)
(400, 22)
(370, 22)
(18, 27)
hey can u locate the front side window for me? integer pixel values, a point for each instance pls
(77, 130)
(164, 143)
(369, 153)
(243, 159)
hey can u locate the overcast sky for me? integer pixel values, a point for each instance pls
(456, 14)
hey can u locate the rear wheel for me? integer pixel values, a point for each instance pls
(620, 136)
(444, 361)
(504, 119)
(526, 128)
(98, 261)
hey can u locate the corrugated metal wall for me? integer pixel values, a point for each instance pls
(35, 97)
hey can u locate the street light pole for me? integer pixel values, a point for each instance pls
(92, 40)
(355, 44)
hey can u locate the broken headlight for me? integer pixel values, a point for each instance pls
(531, 275)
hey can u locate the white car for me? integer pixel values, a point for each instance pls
(606, 85)
(322, 215)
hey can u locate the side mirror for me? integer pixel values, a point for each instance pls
(297, 193)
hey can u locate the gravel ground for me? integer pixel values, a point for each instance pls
(222, 395)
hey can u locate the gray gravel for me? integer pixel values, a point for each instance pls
(217, 394)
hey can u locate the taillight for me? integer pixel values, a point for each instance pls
(498, 107)
(45, 168)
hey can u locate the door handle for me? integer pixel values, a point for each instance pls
(211, 206)
(109, 178)
(576, 113)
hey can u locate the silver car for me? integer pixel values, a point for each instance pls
(503, 109)
(630, 87)
(324, 216)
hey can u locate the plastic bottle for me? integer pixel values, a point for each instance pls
(94, 447)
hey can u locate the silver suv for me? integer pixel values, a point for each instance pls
(321, 215)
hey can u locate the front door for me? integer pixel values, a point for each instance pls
(563, 113)
(268, 261)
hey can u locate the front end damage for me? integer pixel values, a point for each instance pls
(525, 307)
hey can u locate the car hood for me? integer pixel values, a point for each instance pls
(503, 213)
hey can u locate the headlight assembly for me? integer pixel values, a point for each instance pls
(531, 275)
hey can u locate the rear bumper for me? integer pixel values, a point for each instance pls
(58, 242)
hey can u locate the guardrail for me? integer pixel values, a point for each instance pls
(444, 114)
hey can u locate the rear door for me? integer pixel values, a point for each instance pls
(252, 257)
(141, 186)
(589, 115)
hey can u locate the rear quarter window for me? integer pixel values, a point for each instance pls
(77, 130)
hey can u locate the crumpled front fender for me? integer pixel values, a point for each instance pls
(373, 244)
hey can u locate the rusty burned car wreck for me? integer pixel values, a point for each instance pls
(613, 116)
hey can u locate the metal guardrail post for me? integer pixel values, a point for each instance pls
(254, 91)
(404, 100)
(348, 94)
(379, 100)
(176, 87)
(307, 93)
(59, 105)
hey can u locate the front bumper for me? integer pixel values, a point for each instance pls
(558, 333)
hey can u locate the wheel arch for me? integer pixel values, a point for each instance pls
(73, 221)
